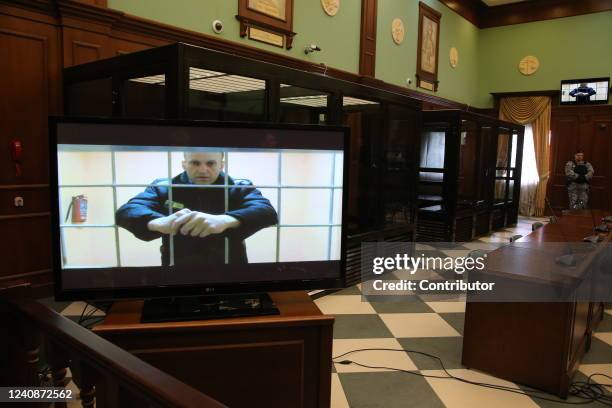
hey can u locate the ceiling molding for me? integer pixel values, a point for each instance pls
(483, 16)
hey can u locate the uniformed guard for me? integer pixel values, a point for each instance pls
(579, 173)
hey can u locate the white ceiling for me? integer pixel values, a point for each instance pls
(492, 3)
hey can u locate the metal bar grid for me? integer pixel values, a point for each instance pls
(279, 187)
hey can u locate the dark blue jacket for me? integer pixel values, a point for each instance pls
(582, 94)
(246, 204)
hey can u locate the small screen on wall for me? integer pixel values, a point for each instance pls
(585, 91)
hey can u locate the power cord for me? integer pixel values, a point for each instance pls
(588, 391)
(85, 319)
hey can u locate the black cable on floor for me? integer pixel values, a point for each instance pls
(588, 391)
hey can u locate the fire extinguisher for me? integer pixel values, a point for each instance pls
(78, 208)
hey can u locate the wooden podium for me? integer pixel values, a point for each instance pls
(272, 361)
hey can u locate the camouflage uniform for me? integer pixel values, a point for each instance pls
(578, 176)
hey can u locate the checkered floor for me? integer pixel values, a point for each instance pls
(420, 323)
(435, 327)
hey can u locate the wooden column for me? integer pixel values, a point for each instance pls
(367, 48)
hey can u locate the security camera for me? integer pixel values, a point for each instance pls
(311, 48)
(217, 26)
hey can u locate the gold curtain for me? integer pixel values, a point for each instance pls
(535, 110)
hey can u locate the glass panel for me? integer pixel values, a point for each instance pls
(261, 169)
(337, 210)
(335, 243)
(261, 246)
(98, 209)
(224, 96)
(401, 162)
(296, 206)
(365, 120)
(510, 190)
(503, 139)
(135, 252)
(145, 97)
(514, 148)
(303, 243)
(91, 98)
(432, 149)
(431, 176)
(338, 169)
(500, 190)
(89, 247)
(307, 169)
(140, 167)
(468, 161)
(93, 168)
(301, 105)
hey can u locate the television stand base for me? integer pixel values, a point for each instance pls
(207, 307)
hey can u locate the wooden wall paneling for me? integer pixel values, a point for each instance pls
(599, 131)
(588, 128)
(30, 81)
(563, 144)
(367, 47)
(99, 3)
(85, 46)
(483, 16)
(525, 12)
(471, 10)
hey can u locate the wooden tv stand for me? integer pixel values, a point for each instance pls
(273, 361)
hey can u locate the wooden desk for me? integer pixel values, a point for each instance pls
(535, 344)
(272, 361)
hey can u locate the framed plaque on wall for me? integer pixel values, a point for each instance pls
(427, 48)
(269, 21)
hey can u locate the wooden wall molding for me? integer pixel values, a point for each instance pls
(539, 10)
(483, 16)
(367, 45)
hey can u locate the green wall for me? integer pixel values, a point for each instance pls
(396, 63)
(337, 36)
(568, 48)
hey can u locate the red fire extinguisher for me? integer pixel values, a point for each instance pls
(78, 208)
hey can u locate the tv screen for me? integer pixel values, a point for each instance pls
(585, 91)
(145, 208)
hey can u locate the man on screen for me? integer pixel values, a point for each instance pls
(583, 93)
(196, 215)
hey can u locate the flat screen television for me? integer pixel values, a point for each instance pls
(160, 208)
(585, 91)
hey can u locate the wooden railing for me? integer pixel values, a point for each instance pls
(106, 375)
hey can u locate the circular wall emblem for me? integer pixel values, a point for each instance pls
(529, 65)
(330, 7)
(397, 30)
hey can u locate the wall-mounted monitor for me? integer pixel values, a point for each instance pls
(585, 91)
(150, 208)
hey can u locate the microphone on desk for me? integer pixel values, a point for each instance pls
(567, 259)
(599, 230)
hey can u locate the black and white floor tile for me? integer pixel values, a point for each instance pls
(434, 326)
